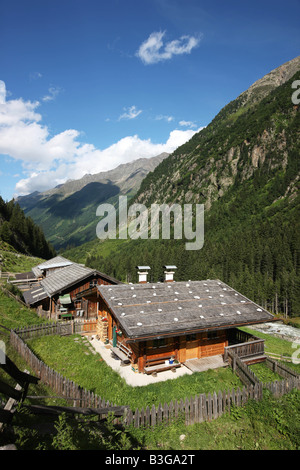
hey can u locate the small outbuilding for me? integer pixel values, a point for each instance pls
(66, 290)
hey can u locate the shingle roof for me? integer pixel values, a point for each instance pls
(65, 277)
(56, 262)
(34, 295)
(26, 276)
(156, 309)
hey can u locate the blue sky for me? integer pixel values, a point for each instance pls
(88, 84)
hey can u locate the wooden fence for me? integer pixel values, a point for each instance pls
(246, 375)
(251, 348)
(279, 357)
(62, 386)
(6, 275)
(203, 407)
(280, 387)
(13, 296)
(57, 328)
(197, 409)
(281, 369)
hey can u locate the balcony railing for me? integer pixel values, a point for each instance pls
(253, 348)
(244, 345)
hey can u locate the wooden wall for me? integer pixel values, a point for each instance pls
(202, 345)
(181, 347)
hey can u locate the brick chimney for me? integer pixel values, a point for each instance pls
(169, 273)
(143, 274)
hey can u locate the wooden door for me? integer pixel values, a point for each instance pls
(192, 349)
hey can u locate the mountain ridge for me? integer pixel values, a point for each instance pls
(218, 145)
(244, 167)
(67, 213)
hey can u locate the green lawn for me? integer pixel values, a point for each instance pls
(92, 373)
(14, 262)
(14, 315)
(269, 424)
(263, 373)
(277, 346)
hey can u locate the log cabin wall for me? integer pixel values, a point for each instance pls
(160, 347)
(183, 347)
(213, 343)
(81, 287)
(90, 304)
(210, 343)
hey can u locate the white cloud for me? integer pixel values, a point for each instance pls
(35, 76)
(51, 160)
(154, 50)
(162, 117)
(52, 94)
(88, 159)
(187, 124)
(130, 113)
(2, 92)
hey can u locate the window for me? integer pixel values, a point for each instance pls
(212, 334)
(192, 337)
(159, 343)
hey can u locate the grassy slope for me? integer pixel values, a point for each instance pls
(270, 424)
(15, 262)
(92, 373)
(95, 247)
(267, 425)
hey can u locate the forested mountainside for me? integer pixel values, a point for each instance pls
(245, 168)
(253, 134)
(67, 213)
(21, 232)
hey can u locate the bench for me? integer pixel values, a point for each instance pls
(122, 352)
(152, 366)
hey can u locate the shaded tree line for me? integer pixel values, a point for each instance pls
(21, 232)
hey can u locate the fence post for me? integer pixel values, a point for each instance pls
(220, 403)
(153, 416)
(233, 363)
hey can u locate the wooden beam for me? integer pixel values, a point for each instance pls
(20, 377)
(6, 414)
(9, 391)
(57, 410)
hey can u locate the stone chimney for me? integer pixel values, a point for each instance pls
(169, 273)
(143, 274)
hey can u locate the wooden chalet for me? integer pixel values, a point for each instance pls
(66, 289)
(158, 326)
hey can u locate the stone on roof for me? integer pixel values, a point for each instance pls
(154, 309)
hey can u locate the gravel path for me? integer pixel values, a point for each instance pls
(132, 378)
